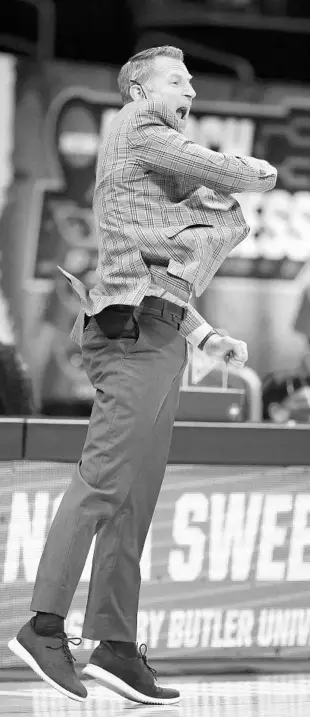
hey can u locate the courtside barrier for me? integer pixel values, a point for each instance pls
(12, 439)
(194, 442)
(49, 439)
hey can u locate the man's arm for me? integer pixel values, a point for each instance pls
(162, 149)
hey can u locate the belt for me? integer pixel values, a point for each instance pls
(164, 306)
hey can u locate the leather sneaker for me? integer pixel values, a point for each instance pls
(51, 659)
(130, 677)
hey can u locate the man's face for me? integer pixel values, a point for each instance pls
(170, 82)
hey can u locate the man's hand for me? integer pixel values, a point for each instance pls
(226, 349)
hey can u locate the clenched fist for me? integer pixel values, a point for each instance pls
(224, 348)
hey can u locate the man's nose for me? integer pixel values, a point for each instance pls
(190, 92)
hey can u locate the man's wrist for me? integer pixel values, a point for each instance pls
(206, 338)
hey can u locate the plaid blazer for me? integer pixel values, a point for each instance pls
(164, 211)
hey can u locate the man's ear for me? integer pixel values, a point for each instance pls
(136, 92)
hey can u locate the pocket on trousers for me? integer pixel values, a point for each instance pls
(117, 324)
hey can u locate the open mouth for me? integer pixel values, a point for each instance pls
(182, 112)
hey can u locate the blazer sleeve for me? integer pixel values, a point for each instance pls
(159, 147)
(194, 327)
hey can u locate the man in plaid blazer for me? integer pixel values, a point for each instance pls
(166, 219)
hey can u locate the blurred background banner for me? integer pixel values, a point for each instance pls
(61, 113)
(7, 113)
(225, 571)
(7, 99)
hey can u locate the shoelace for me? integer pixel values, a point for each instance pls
(65, 645)
(142, 655)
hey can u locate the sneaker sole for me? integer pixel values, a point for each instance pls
(114, 683)
(24, 655)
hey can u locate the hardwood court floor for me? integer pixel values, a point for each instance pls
(260, 696)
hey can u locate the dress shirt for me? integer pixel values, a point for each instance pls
(165, 213)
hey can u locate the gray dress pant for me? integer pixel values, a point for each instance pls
(115, 486)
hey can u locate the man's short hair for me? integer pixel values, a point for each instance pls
(139, 67)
